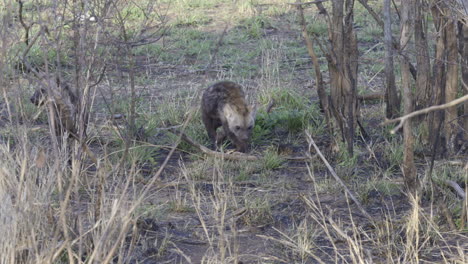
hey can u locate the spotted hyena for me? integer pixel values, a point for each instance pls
(223, 104)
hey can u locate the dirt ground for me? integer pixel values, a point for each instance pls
(203, 209)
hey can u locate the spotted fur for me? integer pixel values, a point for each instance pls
(224, 105)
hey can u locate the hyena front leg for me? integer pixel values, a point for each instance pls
(220, 137)
(210, 129)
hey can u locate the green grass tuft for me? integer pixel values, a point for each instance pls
(254, 26)
(271, 159)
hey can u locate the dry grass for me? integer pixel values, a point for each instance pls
(154, 200)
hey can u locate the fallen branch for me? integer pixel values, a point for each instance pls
(209, 152)
(459, 190)
(403, 119)
(338, 179)
(229, 156)
(461, 163)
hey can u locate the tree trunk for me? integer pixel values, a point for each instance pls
(439, 73)
(79, 36)
(335, 59)
(451, 86)
(343, 62)
(351, 60)
(391, 96)
(423, 78)
(409, 169)
(464, 62)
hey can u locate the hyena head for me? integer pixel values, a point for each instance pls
(240, 125)
(39, 96)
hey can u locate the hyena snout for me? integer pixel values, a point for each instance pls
(242, 142)
(242, 147)
(245, 139)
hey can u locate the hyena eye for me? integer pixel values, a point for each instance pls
(249, 128)
(237, 127)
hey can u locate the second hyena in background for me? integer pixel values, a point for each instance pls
(223, 104)
(64, 102)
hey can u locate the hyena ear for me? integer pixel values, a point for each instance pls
(228, 111)
(253, 110)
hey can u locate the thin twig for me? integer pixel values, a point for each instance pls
(396, 45)
(101, 76)
(337, 178)
(323, 98)
(270, 105)
(371, 11)
(396, 9)
(404, 118)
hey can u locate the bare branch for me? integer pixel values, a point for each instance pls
(403, 119)
(324, 100)
(396, 45)
(337, 178)
(270, 105)
(459, 190)
(21, 19)
(374, 14)
(101, 76)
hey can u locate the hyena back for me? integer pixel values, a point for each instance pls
(223, 104)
